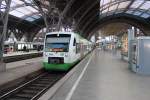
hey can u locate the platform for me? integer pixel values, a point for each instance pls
(20, 53)
(21, 63)
(18, 56)
(18, 69)
(101, 76)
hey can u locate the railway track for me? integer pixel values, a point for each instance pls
(34, 88)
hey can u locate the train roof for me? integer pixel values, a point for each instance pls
(60, 32)
(57, 32)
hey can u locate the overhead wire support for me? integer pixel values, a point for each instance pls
(46, 14)
(37, 3)
(4, 20)
(63, 14)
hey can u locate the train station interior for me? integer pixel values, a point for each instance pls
(74, 49)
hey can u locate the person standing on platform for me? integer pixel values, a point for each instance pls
(24, 48)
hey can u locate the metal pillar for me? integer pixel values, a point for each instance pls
(130, 37)
(44, 15)
(63, 14)
(4, 19)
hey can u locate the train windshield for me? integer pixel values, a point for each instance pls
(57, 43)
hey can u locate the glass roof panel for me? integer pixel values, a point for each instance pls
(136, 3)
(13, 4)
(31, 9)
(18, 1)
(20, 10)
(28, 1)
(30, 19)
(119, 11)
(123, 4)
(17, 13)
(36, 16)
(111, 12)
(138, 7)
(23, 10)
(137, 13)
(145, 15)
(103, 2)
(27, 10)
(114, 7)
(129, 11)
(146, 5)
(148, 11)
(104, 11)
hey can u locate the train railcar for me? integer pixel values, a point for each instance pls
(64, 49)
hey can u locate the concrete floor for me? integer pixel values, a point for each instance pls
(23, 63)
(107, 77)
(19, 53)
(18, 69)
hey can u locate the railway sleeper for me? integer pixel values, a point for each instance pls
(41, 85)
(43, 82)
(30, 91)
(25, 95)
(34, 88)
(17, 98)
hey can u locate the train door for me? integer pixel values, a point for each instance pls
(74, 49)
(82, 49)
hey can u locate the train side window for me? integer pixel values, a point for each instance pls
(77, 47)
(74, 42)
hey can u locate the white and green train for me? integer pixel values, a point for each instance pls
(64, 49)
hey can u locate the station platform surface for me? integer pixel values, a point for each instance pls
(102, 76)
(21, 63)
(20, 53)
(18, 69)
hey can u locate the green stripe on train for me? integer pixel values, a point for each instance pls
(61, 67)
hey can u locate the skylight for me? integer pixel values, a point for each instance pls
(19, 9)
(136, 8)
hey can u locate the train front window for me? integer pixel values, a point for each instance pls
(57, 43)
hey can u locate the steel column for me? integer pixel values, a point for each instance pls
(63, 14)
(130, 37)
(4, 19)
